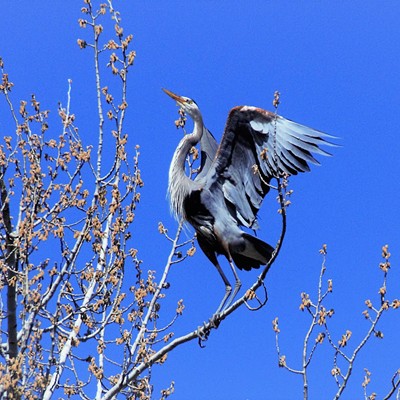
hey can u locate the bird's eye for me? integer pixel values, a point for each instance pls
(189, 101)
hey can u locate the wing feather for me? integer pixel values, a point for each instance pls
(274, 145)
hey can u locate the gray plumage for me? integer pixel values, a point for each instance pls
(227, 192)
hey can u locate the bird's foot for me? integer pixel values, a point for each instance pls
(215, 320)
(202, 333)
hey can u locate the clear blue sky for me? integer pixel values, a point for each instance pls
(336, 65)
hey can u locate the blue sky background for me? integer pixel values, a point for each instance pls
(336, 65)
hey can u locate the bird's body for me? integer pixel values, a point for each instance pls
(227, 193)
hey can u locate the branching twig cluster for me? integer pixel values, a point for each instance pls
(318, 331)
(68, 321)
(70, 325)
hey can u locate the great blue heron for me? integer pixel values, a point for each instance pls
(256, 146)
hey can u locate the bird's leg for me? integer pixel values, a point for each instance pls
(237, 287)
(228, 288)
(209, 252)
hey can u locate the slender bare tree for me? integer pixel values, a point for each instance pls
(70, 324)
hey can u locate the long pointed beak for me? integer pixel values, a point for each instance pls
(174, 96)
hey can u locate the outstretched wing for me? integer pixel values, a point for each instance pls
(256, 146)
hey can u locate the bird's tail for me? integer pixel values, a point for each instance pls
(252, 253)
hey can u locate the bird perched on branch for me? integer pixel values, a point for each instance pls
(233, 179)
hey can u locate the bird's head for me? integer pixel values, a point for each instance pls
(188, 105)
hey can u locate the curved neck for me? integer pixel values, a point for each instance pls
(179, 185)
